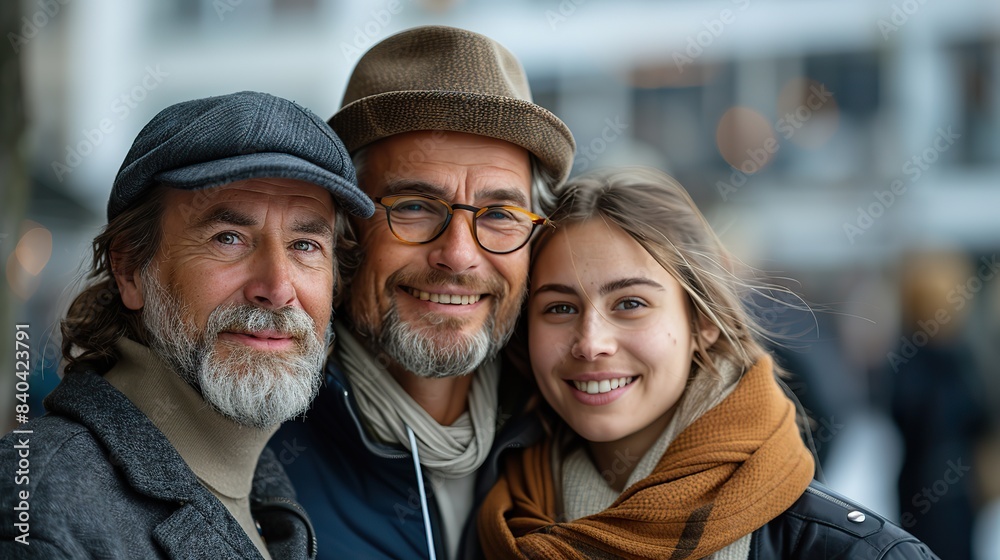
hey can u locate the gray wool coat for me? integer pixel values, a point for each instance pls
(104, 482)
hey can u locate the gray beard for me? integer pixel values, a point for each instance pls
(432, 353)
(425, 352)
(252, 388)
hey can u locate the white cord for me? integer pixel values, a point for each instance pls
(423, 495)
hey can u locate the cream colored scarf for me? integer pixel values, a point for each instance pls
(386, 410)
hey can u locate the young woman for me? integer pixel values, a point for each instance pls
(670, 436)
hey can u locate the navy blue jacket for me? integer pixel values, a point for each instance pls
(362, 495)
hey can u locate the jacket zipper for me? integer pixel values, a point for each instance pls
(826, 496)
(364, 438)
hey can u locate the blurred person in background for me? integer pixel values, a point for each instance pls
(205, 325)
(404, 439)
(670, 435)
(936, 400)
(799, 340)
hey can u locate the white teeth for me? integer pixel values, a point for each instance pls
(603, 386)
(451, 299)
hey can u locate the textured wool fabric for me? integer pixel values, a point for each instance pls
(220, 452)
(220, 140)
(105, 483)
(731, 471)
(443, 78)
(585, 491)
(739, 550)
(453, 451)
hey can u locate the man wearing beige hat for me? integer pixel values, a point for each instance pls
(405, 438)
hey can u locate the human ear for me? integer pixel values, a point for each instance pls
(129, 283)
(707, 331)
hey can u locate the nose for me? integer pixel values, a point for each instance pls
(270, 284)
(456, 251)
(595, 338)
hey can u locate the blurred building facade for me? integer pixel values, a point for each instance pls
(824, 139)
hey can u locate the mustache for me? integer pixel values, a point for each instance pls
(484, 285)
(290, 321)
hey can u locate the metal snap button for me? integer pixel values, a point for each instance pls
(856, 517)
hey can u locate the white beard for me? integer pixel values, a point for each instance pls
(250, 387)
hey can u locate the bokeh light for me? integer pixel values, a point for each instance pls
(746, 139)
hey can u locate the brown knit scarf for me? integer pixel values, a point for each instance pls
(730, 472)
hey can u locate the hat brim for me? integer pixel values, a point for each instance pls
(505, 118)
(267, 164)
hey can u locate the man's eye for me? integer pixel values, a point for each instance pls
(412, 206)
(227, 238)
(303, 245)
(499, 215)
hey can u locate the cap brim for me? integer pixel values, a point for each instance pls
(262, 165)
(516, 121)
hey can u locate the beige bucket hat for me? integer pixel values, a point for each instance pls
(443, 78)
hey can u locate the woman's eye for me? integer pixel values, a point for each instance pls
(629, 304)
(560, 309)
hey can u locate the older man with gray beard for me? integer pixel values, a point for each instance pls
(204, 326)
(405, 438)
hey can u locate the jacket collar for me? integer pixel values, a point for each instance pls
(154, 468)
(150, 464)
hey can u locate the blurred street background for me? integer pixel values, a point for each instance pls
(850, 148)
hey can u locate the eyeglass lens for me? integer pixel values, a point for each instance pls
(418, 220)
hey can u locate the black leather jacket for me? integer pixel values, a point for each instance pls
(824, 525)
